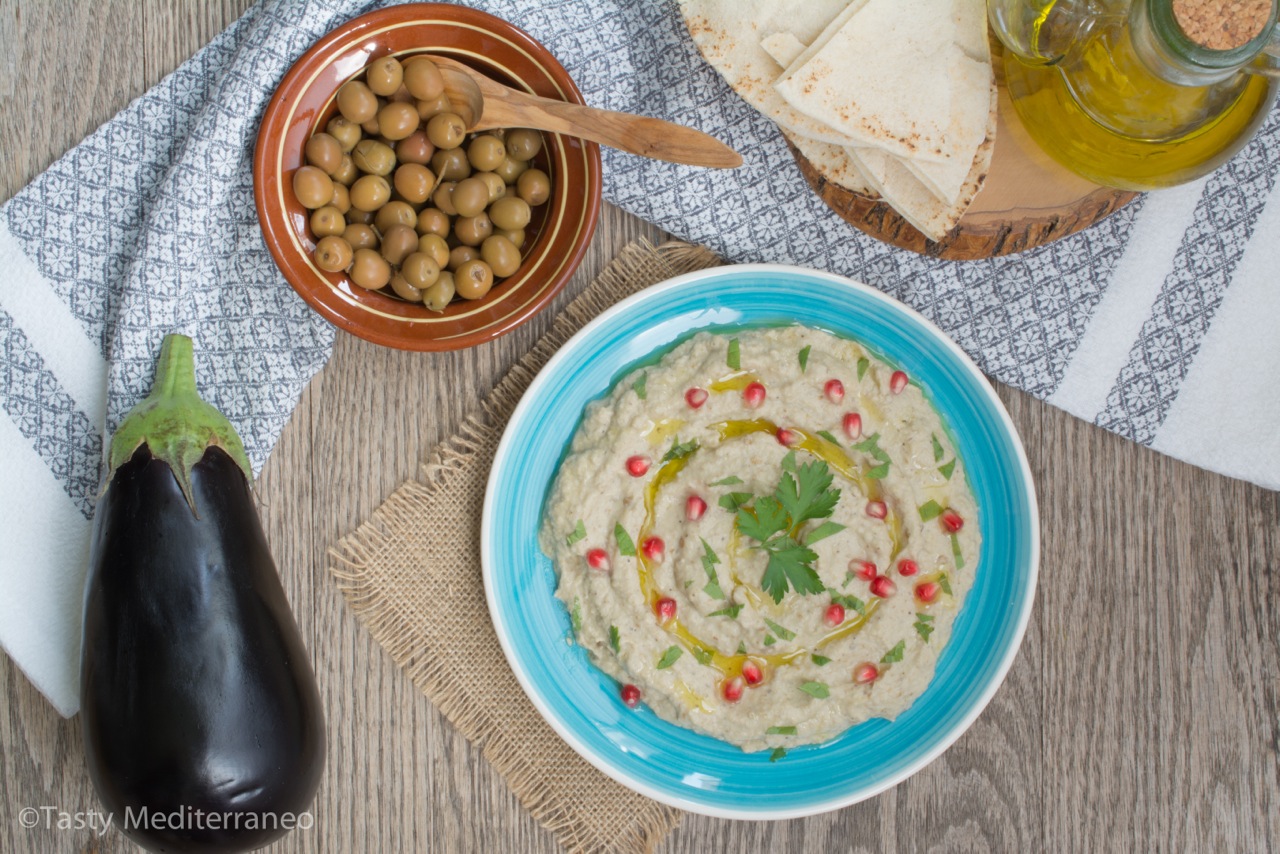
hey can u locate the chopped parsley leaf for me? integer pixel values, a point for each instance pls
(894, 655)
(669, 657)
(626, 546)
(579, 532)
(817, 690)
(781, 631)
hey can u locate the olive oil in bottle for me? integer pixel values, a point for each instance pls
(1126, 97)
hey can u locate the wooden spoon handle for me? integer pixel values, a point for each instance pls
(643, 135)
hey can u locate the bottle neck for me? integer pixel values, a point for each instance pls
(1170, 54)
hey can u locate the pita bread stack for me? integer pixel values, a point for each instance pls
(888, 98)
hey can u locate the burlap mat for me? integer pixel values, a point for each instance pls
(414, 587)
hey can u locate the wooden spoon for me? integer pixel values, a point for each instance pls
(493, 105)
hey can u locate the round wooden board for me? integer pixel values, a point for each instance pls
(1028, 200)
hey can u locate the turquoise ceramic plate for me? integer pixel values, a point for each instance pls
(673, 764)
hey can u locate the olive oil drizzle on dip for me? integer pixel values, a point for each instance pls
(830, 453)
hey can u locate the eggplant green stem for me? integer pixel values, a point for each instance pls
(174, 422)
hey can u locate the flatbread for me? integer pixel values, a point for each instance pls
(914, 201)
(833, 164)
(889, 77)
(729, 32)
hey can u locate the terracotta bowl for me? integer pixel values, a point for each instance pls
(558, 235)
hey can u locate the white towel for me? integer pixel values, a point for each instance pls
(1158, 323)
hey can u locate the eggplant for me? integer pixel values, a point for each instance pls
(203, 728)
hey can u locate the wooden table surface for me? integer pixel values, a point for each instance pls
(1142, 713)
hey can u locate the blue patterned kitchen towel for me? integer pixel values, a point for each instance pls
(1157, 323)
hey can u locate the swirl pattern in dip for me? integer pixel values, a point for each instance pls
(765, 537)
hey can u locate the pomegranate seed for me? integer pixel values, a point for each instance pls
(864, 569)
(731, 689)
(877, 509)
(695, 397)
(638, 465)
(883, 586)
(630, 696)
(694, 507)
(834, 615)
(834, 390)
(598, 559)
(752, 672)
(665, 608)
(787, 437)
(897, 382)
(653, 549)
(753, 395)
(927, 591)
(951, 521)
(907, 566)
(852, 425)
(865, 673)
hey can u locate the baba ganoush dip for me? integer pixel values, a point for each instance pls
(765, 537)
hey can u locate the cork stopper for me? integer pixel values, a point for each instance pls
(1221, 24)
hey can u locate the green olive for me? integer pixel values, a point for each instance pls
(470, 196)
(333, 254)
(398, 242)
(439, 295)
(395, 213)
(497, 187)
(369, 269)
(510, 170)
(397, 120)
(341, 198)
(371, 128)
(451, 164)
(313, 187)
(442, 198)
(473, 279)
(357, 103)
(420, 269)
(422, 78)
(404, 289)
(415, 148)
(373, 157)
(515, 235)
(472, 230)
(345, 131)
(370, 192)
(461, 254)
(324, 152)
(357, 216)
(434, 247)
(523, 144)
(446, 130)
(326, 221)
(510, 212)
(360, 236)
(430, 107)
(500, 254)
(533, 186)
(486, 152)
(384, 76)
(433, 221)
(347, 172)
(414, 182)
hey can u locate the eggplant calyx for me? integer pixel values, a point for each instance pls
(174, 422)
